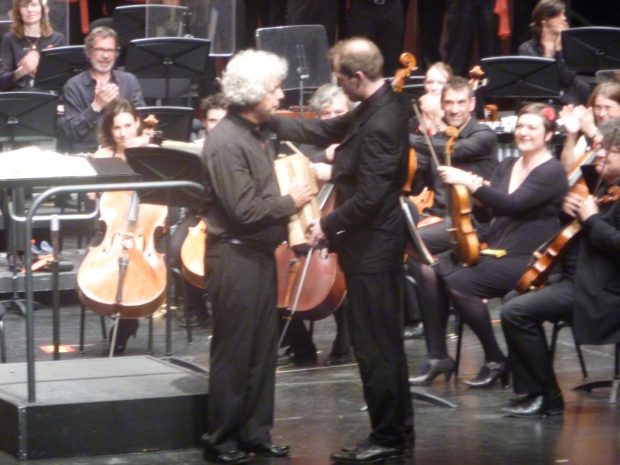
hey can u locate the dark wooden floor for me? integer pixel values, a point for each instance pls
(319, 408)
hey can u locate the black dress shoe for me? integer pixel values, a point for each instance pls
(537, 406)
(127, 327)
(231, 457)
(520, 399)
(335, 360)
(414, 332)
(268, 450)
(489, 373)
(373, 453)
(433, 368)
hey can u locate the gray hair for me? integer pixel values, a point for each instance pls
(249, 74)
(325, 95)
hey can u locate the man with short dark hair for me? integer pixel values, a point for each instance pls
(90, 92)
(474, 149)
(366, 229)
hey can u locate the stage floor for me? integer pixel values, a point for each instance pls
(319, 408)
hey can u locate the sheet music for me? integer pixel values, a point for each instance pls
(32, 162)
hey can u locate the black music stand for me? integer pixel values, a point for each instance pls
(589, 49)
(175, 123)
(59, 64)
(5, 26)
(27, 115)
(521, 76)
(31, 116)
(305, 49)
(161, 164)
(168, 57)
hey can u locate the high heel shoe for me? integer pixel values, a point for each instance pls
(489, 373)
(126, 328)
(433, 368)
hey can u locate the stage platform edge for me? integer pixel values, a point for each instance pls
(101, 406)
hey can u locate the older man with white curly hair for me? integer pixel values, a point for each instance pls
(247, 218)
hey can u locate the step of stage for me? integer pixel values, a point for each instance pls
(101, 406)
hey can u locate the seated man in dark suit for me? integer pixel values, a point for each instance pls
(87, 94)
(588, 291)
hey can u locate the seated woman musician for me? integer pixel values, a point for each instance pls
(30, 33)
(525, 195)
(587, 293)
(581, 123)
(120, 129)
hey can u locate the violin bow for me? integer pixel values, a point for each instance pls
(427, 137)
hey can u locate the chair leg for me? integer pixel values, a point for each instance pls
(82, 324)
(582, 363)
(104, 333)
(557, 327)
(459, 341)
(150, 343)
(2, 342)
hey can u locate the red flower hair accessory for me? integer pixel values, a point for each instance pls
(549, 114)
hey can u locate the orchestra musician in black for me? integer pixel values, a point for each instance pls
(366, 230)
(525, 195)
(246, 220)
(475, 150)
(88, 93)
(31, 32)
(586, 293)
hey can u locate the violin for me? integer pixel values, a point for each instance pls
(459, 202)
(542, 263)
(124, 274)
(193, 255)
(310, 284)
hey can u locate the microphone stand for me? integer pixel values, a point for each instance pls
(304, 75)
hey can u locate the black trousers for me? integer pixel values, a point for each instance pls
(383, 24)
(241, 284)
(467, 20)
(376, 319)
(528, 351)
(430, 27)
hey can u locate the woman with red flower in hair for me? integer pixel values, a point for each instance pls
(525, 194)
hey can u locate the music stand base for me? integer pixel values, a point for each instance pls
(431, 399)
(614, 384)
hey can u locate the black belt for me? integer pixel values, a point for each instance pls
(236, 241)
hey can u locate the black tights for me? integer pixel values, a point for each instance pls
(435, 312)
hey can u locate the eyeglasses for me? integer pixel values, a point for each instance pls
(101, 51)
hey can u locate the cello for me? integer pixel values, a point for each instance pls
(124, 274)
(311, 284)
(193, 253)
